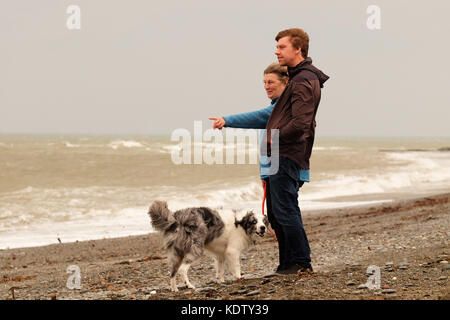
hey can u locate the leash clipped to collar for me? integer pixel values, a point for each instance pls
(264, 200)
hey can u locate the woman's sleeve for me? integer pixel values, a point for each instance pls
(249, 120)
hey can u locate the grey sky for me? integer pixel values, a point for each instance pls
(149, 67)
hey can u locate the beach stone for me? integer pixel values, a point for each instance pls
(446, 267)
(350, 283)
(253, 293)
(243, 291)
(362, 286)
(389, 264)
(388, 291)
(444, 262)
(443, 278)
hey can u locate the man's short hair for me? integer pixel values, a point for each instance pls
(298, 39)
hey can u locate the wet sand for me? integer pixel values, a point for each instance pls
(408, 240)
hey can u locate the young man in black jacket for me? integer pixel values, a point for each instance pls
(294, 117)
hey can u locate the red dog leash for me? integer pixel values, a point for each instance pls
(264, 200)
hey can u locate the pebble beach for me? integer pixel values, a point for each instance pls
(408, 240)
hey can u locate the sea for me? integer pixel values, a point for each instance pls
(66, 188)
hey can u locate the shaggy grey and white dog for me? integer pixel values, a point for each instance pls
(188, 232)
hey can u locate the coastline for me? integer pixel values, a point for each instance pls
(407, 239)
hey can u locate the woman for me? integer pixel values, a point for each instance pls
(275, 81)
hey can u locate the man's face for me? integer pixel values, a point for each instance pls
(287, 54)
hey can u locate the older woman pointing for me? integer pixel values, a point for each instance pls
(275, 81)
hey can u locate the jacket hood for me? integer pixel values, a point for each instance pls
(307, 65)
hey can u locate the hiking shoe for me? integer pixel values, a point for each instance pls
(295, 269)
(280, 268)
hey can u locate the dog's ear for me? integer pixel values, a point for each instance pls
(247, 222)
(238, 216)
(266, 220)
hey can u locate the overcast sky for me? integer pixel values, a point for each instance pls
(149, 67)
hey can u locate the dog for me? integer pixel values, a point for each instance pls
(188, 232)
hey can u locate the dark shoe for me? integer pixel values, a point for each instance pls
(280, 267)
(307, 270)
(295, 269)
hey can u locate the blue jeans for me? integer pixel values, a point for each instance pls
(285, 216)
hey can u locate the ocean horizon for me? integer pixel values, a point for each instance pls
(85, 187)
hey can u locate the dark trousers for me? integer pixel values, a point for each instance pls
(285, 217)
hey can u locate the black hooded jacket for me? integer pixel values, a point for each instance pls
(295, 112)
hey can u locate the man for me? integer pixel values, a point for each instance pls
(294, 117)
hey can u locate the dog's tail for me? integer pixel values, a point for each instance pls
(162, 218)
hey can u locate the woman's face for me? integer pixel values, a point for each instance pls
(273, 85)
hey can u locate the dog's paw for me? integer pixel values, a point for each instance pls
(221, 280)
(174, 288)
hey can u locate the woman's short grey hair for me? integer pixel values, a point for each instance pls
(280, 71)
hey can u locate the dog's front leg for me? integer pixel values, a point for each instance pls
(234, 263)
(173, 284)
(176, 262)
(184, 270)
(220, 269)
